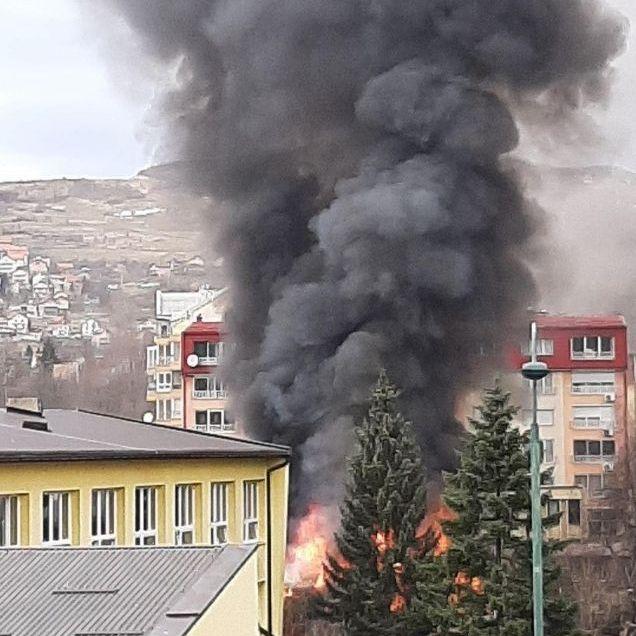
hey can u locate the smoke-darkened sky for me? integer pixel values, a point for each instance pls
(63, 114)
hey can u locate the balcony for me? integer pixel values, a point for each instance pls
(592, 389)
(595, 459)
(209, 395)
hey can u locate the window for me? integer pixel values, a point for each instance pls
(218, 514)
(593, 450)
(184, 514)
(554, 507)
(545, 417)
(176, 408)
(604, 382)
(9, 521)
(152, 353)
(164, 330)
(250, 511)
(56, 518)
(208, 386)
(593, 417)
(164, 410)
(145, 515)
(602, 522)
(103, 517)
(212, 420)
(574, 512)
(593, 484)
(592, 347)
(545, 386)
(548, 450)
(208, 352)
(545, 347)
(164, 381)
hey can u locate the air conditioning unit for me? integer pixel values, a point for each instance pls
(608, 467)
(610, 397)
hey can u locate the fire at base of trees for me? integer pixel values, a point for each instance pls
(465, 568)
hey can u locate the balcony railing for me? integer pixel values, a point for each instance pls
(597, 389)
(209, 395)
(580, 422)
(592, 355)
(594, 459)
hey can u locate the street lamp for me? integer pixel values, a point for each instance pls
(535, 371)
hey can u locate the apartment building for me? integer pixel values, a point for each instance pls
(175, 312)
(78, 479)
(582, 414)
(205, 405)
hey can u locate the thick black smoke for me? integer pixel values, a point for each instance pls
(355, 148)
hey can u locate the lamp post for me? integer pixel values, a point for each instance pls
(535, 371)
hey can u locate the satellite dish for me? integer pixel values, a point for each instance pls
(148, 417)
(192, 360)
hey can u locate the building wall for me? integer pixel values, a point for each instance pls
(235, 610)
(30, 480)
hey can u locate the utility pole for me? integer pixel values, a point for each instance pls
(535, 371)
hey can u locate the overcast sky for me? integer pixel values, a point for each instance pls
(63, 115)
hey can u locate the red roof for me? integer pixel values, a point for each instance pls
(200, 326)
(569, 322)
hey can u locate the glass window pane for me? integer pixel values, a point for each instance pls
(577, 345)
(580, 447)
(593, 447)
(65, 516)
(609, 448)
(574, 512)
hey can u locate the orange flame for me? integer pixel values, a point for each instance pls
(432, 523)
(398, 604)
(383, 541)
(305, 557)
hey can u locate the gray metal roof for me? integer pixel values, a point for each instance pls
(112, 591)
(73, 435)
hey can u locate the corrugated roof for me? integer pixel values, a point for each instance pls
(112, 591)
(591, 321)
(81, 435)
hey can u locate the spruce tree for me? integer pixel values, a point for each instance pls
(369, 584)
(488, 568)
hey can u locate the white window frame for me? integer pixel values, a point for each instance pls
(593, 353)
(10, 508)
(152, 356)
(597, 384)
(219, 513)
(590, 458)
(104, 509)
(545, 386)
(550, 443)
(250, 512)
(163, 381)
(55, 501)
(215, 388)
(146, 517)
(582, 420)
(184, 514)
(208, 427)
(213, 353)
(164, 409)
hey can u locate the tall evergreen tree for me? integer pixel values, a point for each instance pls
(487, 569)
(369, 585)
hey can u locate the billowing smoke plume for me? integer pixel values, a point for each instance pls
(355, 150)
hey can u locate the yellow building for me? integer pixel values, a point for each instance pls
(197, 591)
(175, 312)
(71, 478)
